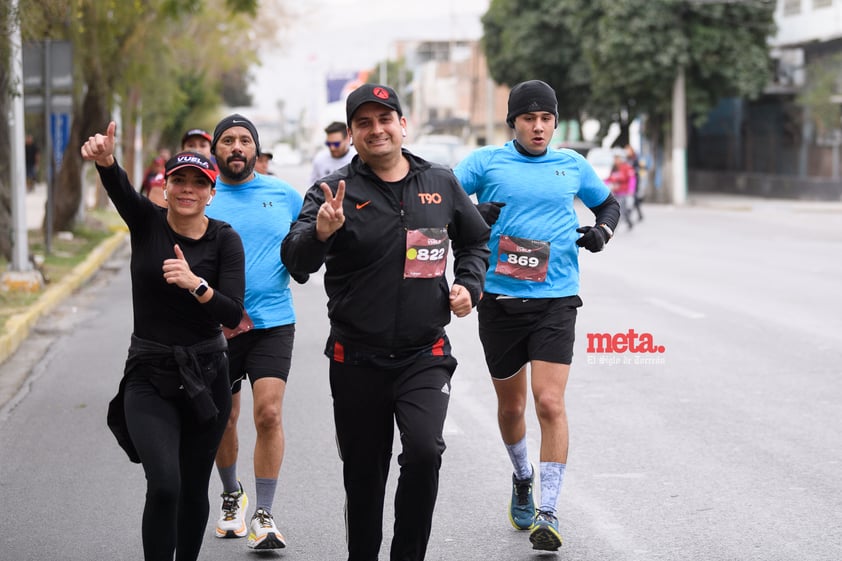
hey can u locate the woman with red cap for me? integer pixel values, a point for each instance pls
(188, 277)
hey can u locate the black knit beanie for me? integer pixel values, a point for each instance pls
(235, 120)
(529, 97)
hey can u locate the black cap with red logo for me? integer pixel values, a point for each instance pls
(384, 95)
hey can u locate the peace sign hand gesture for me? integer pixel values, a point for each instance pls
(330, 217)
(100, 148)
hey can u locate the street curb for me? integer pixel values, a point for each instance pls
(19, 325)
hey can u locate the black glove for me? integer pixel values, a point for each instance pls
(300, 278)
(490, 212)
(593, 238)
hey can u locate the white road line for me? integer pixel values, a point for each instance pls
(675, 308)
(631, 475)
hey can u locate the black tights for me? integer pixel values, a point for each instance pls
(177, 456)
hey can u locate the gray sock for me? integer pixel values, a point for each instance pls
(552, 477)
(265, 493)
(228, 475)
(520, 459)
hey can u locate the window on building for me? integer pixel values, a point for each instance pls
(822, 4)
(792, 7)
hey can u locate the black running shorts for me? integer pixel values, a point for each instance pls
(260, 353)
(514, 331)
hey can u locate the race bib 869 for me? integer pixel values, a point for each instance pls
(522, 259)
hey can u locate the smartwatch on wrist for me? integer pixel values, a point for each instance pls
(201, 289)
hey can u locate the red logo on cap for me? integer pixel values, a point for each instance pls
(381, 93)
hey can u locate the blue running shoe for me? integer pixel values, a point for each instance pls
(522, 506)
(545, 534)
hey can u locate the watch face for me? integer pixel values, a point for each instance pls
(201, 289)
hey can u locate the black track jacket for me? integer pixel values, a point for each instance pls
(370, 302)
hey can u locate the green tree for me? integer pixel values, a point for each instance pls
(820, 95)
(632, 50)
(398, 75)
(162, 60)
(722, 47)
(532, 39)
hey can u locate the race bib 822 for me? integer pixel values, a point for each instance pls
(426, 253)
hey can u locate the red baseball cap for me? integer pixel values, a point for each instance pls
(192, 160)
(196, 132)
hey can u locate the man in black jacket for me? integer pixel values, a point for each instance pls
(383, 226)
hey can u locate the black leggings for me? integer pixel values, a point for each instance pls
(177, 455)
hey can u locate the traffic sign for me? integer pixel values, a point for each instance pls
(59, 135)
(59, 59)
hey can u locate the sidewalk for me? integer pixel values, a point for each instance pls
(725, 201)
(18, 326)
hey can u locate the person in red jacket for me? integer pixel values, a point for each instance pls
(622, 185)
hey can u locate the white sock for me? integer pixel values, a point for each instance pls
(520, 459)
(552, 476)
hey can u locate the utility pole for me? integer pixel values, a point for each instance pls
(679, 140)
(21, 275)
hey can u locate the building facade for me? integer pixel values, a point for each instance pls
(787, 142)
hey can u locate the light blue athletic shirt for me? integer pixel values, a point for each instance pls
(261, 211)
(538, 192)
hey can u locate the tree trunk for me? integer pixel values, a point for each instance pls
(89, 117)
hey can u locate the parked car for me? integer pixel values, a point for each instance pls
(441, 149)
(601, 160)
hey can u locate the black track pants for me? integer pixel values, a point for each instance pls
(367, 402)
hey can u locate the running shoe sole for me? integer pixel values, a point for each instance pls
(545, 538)
(232, 533)
(269, 541)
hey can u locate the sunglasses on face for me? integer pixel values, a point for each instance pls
(333, 144)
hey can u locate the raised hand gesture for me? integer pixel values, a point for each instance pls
(100, 148)
(177, 271)
(330, 217)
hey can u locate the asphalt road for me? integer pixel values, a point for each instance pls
(725, 446)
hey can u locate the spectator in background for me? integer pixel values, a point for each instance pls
(153, 180)
(339, 151)
(262, 163)
(634, 162)
(197, 140)
(622, 185)
(33, 158)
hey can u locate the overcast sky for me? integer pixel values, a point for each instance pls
(348, 35)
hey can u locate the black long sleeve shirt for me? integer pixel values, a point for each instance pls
(166, 313)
